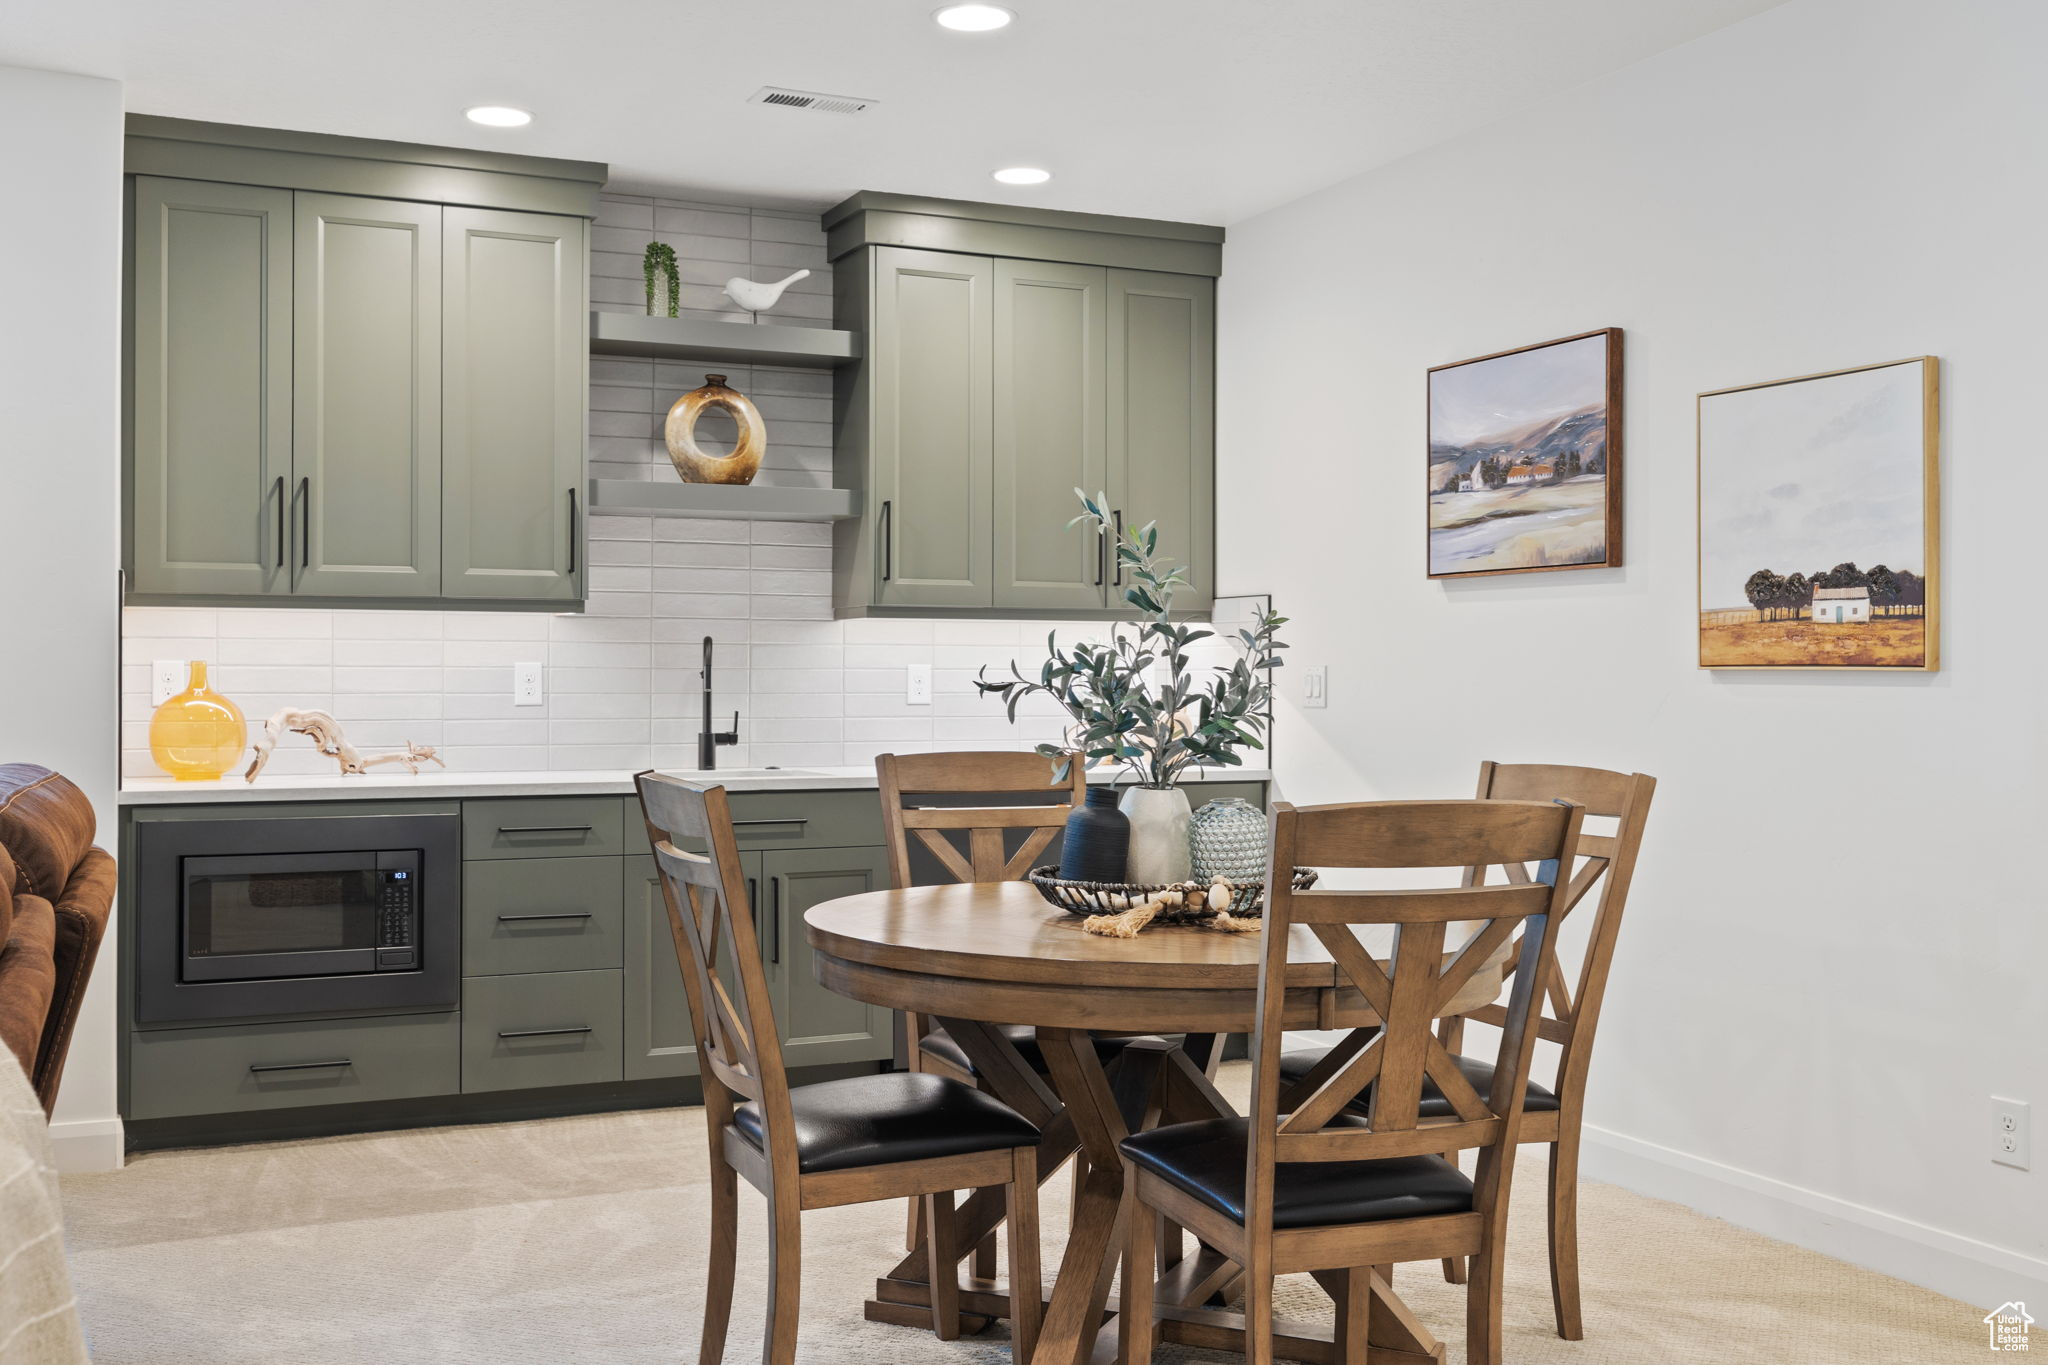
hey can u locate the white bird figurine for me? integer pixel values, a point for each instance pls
(759, 298)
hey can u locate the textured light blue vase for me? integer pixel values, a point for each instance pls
(1227, 838)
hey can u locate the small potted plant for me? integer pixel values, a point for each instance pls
(1136, 702)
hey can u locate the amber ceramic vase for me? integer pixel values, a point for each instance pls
(197, 735)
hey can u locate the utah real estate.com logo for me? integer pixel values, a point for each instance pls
(2008, 1326)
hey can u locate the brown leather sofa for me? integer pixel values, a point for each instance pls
(56, 891)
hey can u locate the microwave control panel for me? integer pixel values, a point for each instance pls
(397, 949)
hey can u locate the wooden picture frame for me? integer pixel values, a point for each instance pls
(1525, 459)
(1840, 450)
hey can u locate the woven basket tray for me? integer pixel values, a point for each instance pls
(1247, 899)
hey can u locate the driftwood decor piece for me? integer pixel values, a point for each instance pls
(691, 462)
(325, 732)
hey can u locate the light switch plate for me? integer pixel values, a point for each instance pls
(917, 689)
(1315, 686)
(527, 685)
(167, 679)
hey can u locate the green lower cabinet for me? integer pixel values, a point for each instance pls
(176, 1073)
(817, 1026)
(540, 915)
(543, 1029)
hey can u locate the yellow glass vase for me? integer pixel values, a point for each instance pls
(197, 735)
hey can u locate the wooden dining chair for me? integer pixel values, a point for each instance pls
(1304, 1184)
(850, 1141)
(1569, 1016)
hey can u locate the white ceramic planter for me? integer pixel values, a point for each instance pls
(1159, 819)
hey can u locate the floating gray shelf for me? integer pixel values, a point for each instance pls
(723, 501)
(734, 342)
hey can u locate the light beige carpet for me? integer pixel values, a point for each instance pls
(580, 1239)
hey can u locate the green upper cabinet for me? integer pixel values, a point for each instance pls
(1009, 357)
(210, 388)
(513, 404)
(930, 485)
(1050, 437)
(366, 410)
(1162, 433)
(357, 375)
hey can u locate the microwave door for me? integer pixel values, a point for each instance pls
(276, 916)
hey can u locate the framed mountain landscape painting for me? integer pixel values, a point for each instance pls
(1819, 520)
(1525, 459)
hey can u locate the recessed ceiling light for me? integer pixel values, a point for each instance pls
(1023, 175)
(973, 18)
(499, 116)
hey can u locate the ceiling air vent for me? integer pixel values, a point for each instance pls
(809, 99)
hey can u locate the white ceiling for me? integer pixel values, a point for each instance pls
(1203, 110)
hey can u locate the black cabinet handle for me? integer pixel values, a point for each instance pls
(1101, 558)
(540, 1032)
(1118, 581)
(557, 914)
(280, 521)
(572, 531)
(792, 820)
(775, 919)
(888, 520)
(306, 522)
(298, 1066)
(754, 905)
(545, 829)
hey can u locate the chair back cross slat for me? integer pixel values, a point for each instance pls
(1442, 938)
(985, 857)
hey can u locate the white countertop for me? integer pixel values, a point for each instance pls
(161, 791)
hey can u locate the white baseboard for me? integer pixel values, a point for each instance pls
(1961, 1267)
(85, 1146)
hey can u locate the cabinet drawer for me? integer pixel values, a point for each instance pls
(526, 1032)
(177, 1072)
(540, 827)
(766, 820)
(540, 915)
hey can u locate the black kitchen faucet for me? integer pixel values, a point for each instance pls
(709, 739)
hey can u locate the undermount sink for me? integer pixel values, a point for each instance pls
(713, 774)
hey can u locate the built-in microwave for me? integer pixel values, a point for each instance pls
(269, 916)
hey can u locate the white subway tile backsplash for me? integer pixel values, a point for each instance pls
(622, 686)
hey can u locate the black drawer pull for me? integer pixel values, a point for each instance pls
(540, 1032)
(259, 1069)
(545, 829)
(558, 914)
(791, 820)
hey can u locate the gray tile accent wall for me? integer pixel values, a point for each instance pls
(622, 677)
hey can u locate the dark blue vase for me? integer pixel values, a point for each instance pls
(1098, 840)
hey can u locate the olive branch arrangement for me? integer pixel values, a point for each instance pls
(661, 257)
(1154, 726)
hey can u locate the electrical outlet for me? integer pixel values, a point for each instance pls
(917, 689)
(2011, 1133)
(527, 687)
(1315, 686)
(167, 679)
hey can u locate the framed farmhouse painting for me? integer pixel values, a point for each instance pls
(1819, 520)
(1525, 459)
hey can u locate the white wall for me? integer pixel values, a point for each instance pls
(1803, 1044)
(60, 326)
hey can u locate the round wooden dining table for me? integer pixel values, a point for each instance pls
(977, 955)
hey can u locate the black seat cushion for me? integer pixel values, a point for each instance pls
(1207, 1160)
(1295, 1065)
(938, 1043)
(900, 1116)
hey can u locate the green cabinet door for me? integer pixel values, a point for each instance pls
(1162, 402)
(210, 450)
(1050, 432)
(660, 1040)
(819, 1026)
(514, 380)
(367, 402)
(929, 496)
